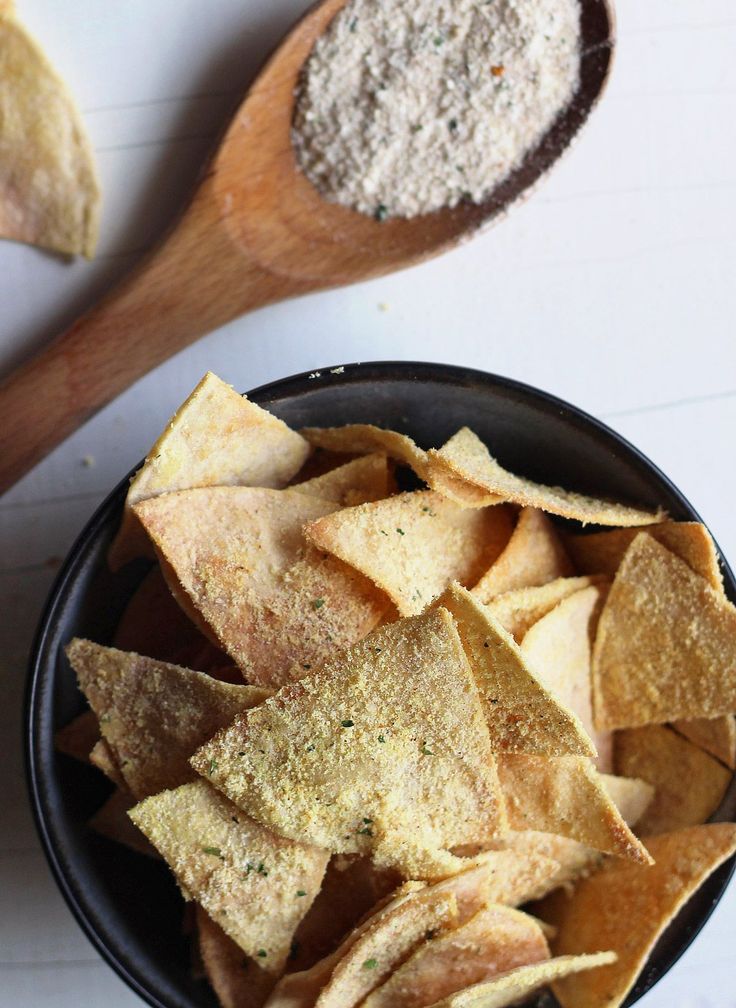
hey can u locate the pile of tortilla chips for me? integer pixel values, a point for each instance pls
(408, 749)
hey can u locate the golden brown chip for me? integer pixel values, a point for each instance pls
(515, 875)
(466, 457)
(565, 795)
(237, 980)
(534, 555)
(716, 736)
(216, 438)
(363, 479)
(102, 757)
(383, 751)
(602, 552)
(77, 738)
(518, 610)
(364, 439)
(414, 544)
(154, 715)
(247, 878)
(238, 554)
(49, 192)
(632, 796)
(112, 821)
(518, 984)
(689, 784)
(557, 649)
(522, 716)
(666, 643)
(625, 907)
(497, 939)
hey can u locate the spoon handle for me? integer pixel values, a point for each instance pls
(197, 279)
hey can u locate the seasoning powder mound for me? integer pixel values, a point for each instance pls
(404, 108)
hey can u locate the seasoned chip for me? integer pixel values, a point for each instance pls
(466, 457)
(245, 876)
(518, 984)
(239, 556)
(625, 907)
(534, 555)
(497, 939)
(216, 438)
(383, 751)
(522, 716)
(689, 784)
(518, 610)
(414, 544)
(153, 715)
(364, 439)
(363, 479)
(238, 982)
(112, 821)
(557, 649)
(602, 552)
(49, 192)
(565, 795)
(716, 736)
(102, 757)
(77, 738)
(631, 795)
(666, 643)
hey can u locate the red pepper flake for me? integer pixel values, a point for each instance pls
(498, 71)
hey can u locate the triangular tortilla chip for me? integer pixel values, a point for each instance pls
(49, 192)
(102, 757)
(514, 874)
(689, 784)
(534, 555)
(384, 751)
(565, 795)
(716, 736)
(497, 939)
(365, 438)
(557, 649)
(357, 482)
(239, 557)
(522, 716)
(626, 907)
(631, 795)
(602, 552)
(666, 643)
(246, 877)
(77, 738)
(154, 715)
(216, 438)
(237, 980)
(518, 610)
(466, 457)
(112, 821)
(518, 984)
(414, 544)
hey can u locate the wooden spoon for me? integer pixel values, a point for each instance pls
(255, 232)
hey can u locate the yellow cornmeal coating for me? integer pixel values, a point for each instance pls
(363, 479)
(519, 609)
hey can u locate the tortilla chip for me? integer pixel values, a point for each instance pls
(78, 738)
(414, 544)
(626, 908)
(237, 980)
(518, 984)
(666, 643)
(112, 821)
(534, 555)
(364, 479)
(565, 795)
(102, 757)
(246, 877)
(632, 796)
(466, 457)
(49, 192)
(522, 716)
(238, 555)
(154, 715)
(557, 650)
(689, 784)
(716, 736)
(364, 439)
(602, 552)
(216, 438)
(515, 874)
(518, 610)
(497, 939)
(355, 778)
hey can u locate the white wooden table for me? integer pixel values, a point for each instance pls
(613, 287)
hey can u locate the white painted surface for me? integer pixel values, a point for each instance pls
(613, 287)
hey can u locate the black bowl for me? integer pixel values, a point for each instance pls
(128, 905)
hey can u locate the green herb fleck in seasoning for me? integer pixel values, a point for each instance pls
(306, 665)
(262, 870)
(301, 892)
(347, 723)
(438, 40)
(383, 532)
(311, 747)
(354, 25)
(381, 212)
(213, 850)
(425, 751)
(262, 953)
(452, 125)
(370, 964)
(376, 649)
(248, 870)
(242, 754)
(381, 738)
(212, 767)
(400, 531)
(365, 831)
(367, 820)
(417, 128)
(318, 603)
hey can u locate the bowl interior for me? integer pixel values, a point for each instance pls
(128, 904)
